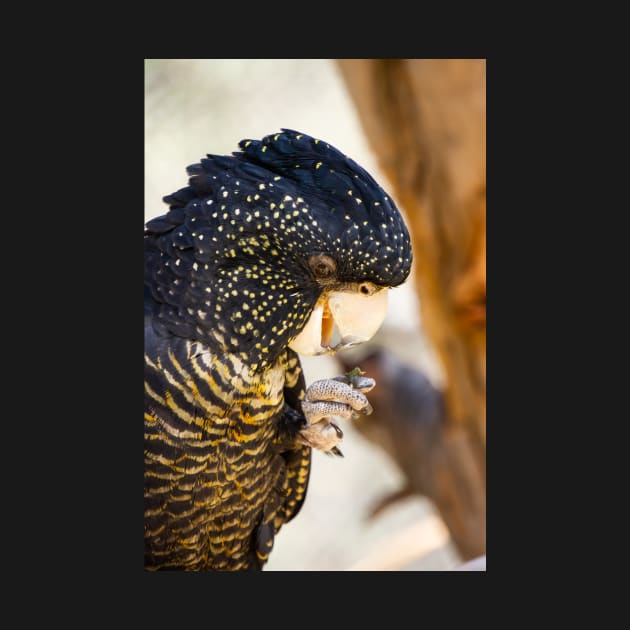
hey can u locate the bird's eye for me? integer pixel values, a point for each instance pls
(365, 288)
(323, 266)
(322, 270)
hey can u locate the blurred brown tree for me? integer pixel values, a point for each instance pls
(425, 119)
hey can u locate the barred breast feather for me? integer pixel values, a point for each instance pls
(221, 476)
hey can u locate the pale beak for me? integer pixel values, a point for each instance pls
(345, 318)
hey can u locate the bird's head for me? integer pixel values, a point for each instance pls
(287, 242)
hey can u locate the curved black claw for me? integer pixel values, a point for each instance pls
(334, 451)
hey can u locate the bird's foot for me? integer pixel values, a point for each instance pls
(342, 396)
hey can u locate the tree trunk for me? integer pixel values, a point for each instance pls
(426, 120)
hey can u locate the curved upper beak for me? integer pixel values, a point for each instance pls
(345, 319)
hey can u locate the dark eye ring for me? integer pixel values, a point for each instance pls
(323, 266)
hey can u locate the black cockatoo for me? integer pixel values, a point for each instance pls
(286, 246)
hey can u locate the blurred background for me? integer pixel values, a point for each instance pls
(199, 106)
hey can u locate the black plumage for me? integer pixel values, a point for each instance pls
(229, 283)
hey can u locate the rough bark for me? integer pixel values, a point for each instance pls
(425, 120)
